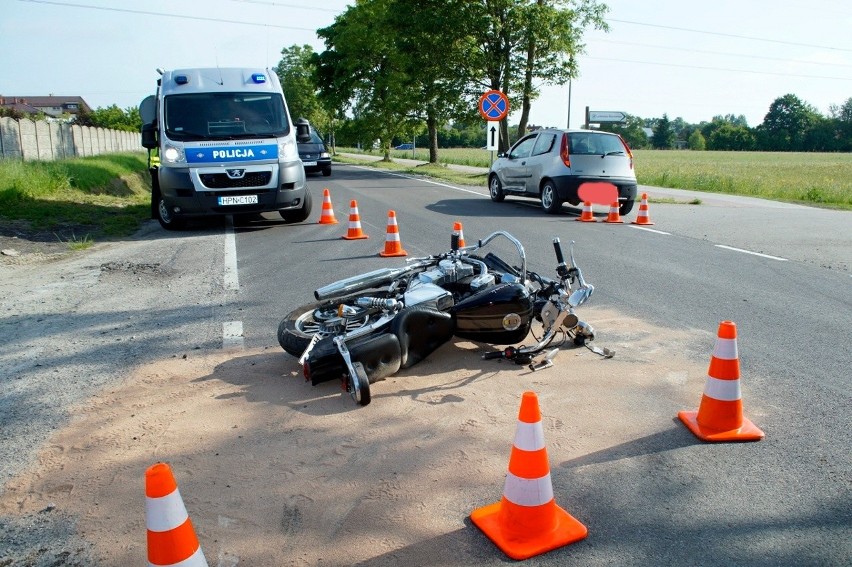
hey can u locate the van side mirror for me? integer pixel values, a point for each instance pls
(303, 131)
(149, 135)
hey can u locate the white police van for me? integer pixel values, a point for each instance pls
(221, 141)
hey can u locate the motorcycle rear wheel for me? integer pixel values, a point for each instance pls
(300, 325)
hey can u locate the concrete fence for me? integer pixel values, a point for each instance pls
(46, 141)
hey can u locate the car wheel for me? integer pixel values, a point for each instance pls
(298, 215)
(550, 201)
(326, 172)
(495, 189)
(625, 207)
(166, 218)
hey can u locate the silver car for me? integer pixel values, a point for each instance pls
(554, 166)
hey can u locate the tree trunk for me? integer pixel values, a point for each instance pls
(432, 129)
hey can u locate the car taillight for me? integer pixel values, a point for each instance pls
(563, 151)
(627, 149)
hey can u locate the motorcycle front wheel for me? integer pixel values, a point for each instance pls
(300, 325)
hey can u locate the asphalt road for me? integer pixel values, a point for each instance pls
(780, 272)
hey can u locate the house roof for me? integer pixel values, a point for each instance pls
(37, 103)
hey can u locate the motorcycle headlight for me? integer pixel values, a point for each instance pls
(174, 154)
(287, 150)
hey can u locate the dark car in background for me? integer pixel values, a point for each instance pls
(312, 149)
(554, 166)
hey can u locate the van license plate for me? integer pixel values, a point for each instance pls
(238, 200)
(309, 163)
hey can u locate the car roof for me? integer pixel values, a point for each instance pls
(573, 131)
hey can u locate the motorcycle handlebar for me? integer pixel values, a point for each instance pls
(557, 247)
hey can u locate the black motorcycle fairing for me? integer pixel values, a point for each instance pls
(420, 331)
(380, 355)
(500, 314)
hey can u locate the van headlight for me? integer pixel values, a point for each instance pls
(173, 154)
(287, 150)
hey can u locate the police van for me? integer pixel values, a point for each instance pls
(221, 141)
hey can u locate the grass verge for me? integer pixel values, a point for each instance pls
(78, 200)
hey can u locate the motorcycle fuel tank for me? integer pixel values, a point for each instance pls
(500, 314)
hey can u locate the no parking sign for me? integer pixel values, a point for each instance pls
(493, 106)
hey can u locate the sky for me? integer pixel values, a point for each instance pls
(683, 58)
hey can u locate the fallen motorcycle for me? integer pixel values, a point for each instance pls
(365, 328)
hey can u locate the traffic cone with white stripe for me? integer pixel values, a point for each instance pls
(393, 246)
(527, 521)
(171, 537)
(587, 215)
(327, 216)
(613, 217)
(458, 231)
(642, 217)
(720, 414)
(354, 231)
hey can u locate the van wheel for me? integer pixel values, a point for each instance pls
(166, 218)
(326, 172)
(550, 201)
(626, 207)
(299, 215)
(495, 189)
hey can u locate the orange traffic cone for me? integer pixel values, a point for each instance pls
(527, 521)
(458, 231)
(587, 215)
(171, 537)
(613, 216)
(393, 246)
(643, 217)
(327, 216)
(720, 415)
(354, 232)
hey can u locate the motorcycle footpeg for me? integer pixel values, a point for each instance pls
(546, 363)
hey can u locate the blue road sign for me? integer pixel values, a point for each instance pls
(493, 106)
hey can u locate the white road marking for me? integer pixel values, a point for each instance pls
(649, 230)
(232, 335)
(232, 280)
(232, 331)
(750, 252)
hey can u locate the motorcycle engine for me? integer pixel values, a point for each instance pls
(447, 272)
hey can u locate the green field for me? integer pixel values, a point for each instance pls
(817, 179)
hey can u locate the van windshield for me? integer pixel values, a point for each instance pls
(225, 116)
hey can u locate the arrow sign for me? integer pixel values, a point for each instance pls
(598, 116)
(492, 133)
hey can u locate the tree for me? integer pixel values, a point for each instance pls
(552, 39)
(632, 130)
(730, 137)
(298, 81)
(664, 136)
(111, 117)
(696, 141)
(438, 82)
(786, 125)
(362, 70)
